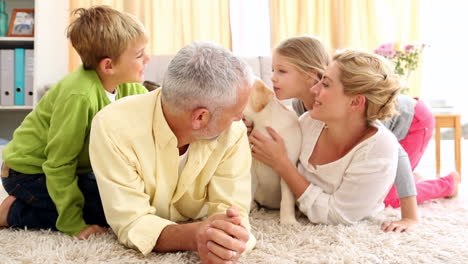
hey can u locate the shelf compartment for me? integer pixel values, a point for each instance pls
(16, 42)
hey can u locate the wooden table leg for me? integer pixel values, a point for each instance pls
(457, 137)
(437, 143)
(448, 121)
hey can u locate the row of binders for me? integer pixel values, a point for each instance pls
(16, 77)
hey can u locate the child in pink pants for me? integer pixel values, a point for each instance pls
(415, 143)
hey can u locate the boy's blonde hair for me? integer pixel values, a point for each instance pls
(369, 74)
(306, 53)
(101, 32)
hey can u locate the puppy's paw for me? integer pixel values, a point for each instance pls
(289, 220)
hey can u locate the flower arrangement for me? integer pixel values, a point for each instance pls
(406, 60)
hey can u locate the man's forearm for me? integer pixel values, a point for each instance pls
(177, 237)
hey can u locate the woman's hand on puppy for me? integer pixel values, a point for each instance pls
(271, 151)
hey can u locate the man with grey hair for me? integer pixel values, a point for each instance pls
(180, 153)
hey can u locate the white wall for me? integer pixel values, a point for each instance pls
(445, 60)
(250, 27)
(50, 42)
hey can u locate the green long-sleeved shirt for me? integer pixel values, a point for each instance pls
(54, 138)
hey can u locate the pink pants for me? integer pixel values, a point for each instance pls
(415, 143)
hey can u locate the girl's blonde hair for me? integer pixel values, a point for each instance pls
(370, 75)
(102, 32)
(306, 53)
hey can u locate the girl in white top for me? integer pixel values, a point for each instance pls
(348, 160)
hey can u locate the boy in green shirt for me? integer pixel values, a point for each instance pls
(46, 170)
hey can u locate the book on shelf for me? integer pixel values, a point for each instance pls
(19, 76)
(7, 81)
(16, 77)
(28, 77)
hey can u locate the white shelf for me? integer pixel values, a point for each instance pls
(16, 39)
(16, 107)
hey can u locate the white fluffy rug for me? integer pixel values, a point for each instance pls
(441, 237)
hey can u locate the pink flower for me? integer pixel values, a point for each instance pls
(409, 48)
(387, 50)
(405, 58)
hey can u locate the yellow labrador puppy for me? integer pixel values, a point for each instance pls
(268, 189)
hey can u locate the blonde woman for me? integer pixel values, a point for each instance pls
(348, 160)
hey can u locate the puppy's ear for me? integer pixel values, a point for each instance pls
(261, 96)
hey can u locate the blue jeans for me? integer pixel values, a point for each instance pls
(33, 207)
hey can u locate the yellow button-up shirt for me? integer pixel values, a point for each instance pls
(135, 158)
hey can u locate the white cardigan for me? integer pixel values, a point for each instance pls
(353, 187)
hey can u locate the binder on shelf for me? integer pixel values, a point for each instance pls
(7, 81)
(19, 76)
(28, 77)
